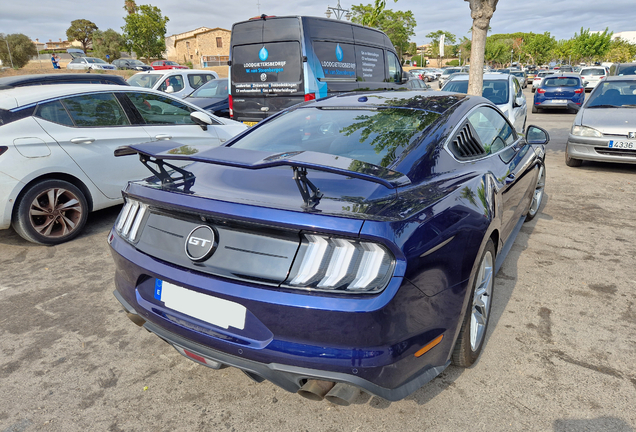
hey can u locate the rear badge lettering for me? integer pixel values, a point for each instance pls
(200, 243)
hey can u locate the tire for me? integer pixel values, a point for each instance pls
(533, 90)
(537, 197)
(535, 109)
(571, 162)
(475, 325)
(37, 220)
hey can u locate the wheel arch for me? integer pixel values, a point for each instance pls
(56, 176)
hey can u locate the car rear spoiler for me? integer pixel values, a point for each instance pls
(158, 153)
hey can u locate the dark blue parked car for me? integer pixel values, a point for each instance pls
(212, 96)
(346, 243)
(558, 91)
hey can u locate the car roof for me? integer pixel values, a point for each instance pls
(35, 79)
(22, 96)
(620, 78)
(492, 76)
(434, 101)
(174, 71)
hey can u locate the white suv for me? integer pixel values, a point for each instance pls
(591, 76)
(177, 82)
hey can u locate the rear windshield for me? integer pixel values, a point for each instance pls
(372, 136)
(451, 71)
(144, 80)
(495, 91)
(593, 72)
(561, 82)
(267, 68)
(613, 93)
(546, 73)
(627, 70)
(94, 60)
(212, 89)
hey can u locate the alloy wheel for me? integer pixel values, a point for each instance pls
(482, 297)
(538, 193)
(55, 212)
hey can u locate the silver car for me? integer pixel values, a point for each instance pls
(604, 129)
(90, 63)
(446, 73)
(503, 90)
(538, 78)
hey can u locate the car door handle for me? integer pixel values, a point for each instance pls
(163, 137)
(510, 178)
(82, 140)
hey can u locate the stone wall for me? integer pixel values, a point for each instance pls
(190, 46)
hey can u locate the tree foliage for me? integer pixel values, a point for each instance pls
(81, 30)
(399, 26)
(144, 31)
(588, 46)
(20, 47)
(621, 51)
(107, 42)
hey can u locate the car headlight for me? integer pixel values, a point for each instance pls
(341, 265)
(585, 131)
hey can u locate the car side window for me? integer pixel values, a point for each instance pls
(96, 110)
(54, 112)
(156, 109)
(518, 92)
(394, 67)
(494, 132)
(197, 80)
(176, 81)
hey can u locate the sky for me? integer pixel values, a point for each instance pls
(46, 19)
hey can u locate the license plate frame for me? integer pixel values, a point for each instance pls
(622, 144)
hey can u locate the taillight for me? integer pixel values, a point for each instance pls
(582, 77)
(540, 90)
(601, 77)
(578, 91)
(231, 106)
(310, 96)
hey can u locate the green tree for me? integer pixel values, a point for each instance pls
(497, 51)
(621, 51)
(564, 50)
(435, 38)
(538, 47)
(107, 42)
(591, 46)
(481, 11)
(81, 30)
(144, 31)
(399, 26)
(463, 49)
(368, 15)
(20, 50)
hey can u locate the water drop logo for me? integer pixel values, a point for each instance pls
(262, 54)
(339, 53)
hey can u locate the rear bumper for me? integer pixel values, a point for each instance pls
(292, 337)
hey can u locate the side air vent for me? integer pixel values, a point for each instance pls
(466, 144)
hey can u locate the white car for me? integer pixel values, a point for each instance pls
(536, 81)
(90, 63)
(57, 146)
(501, 89)
(177, 82)
(591, 76)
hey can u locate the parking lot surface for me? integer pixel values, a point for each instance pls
(559, 354)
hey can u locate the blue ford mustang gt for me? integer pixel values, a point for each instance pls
(342, 244)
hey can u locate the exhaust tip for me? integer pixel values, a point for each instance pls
(342, 394)
(136, 319)
(316, 389)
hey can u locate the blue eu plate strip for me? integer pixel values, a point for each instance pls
(158, 285)
(611, 144)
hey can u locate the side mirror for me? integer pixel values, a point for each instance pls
(585, 83)
(170, 89)
(405, 76)
(537, 135)
(518, 102)
(201, 119)
(574, 106)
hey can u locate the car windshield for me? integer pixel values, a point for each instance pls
(212, 89)
(592, 72)
(144, 80)
(613, 93)
(495, 91)
(519, 74)
(171, 63)
(375, 136)
(627, 70)
(546, 73)
(136, 63)
(95, 60)
(561, 82)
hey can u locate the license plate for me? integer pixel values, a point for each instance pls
(559, 101)
(250, 124)
(209, 309)
(622, 144)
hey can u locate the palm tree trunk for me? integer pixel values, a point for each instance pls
(481, 12)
